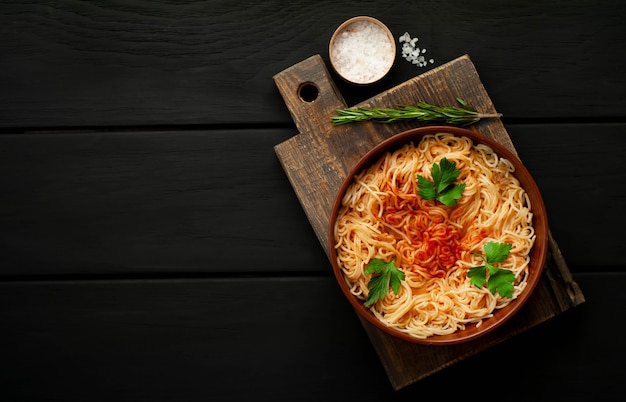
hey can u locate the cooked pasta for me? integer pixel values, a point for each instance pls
(382, 216)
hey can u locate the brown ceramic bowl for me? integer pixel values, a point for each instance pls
(537, 257)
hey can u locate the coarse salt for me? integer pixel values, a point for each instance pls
(412, 53)
(362, 52)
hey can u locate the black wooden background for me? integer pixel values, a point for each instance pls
(151, 247)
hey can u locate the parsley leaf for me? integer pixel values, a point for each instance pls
(497, 279)
(497, 252)
(449, 197)
(501, 281)
(441, 188)
(426, 188)
(387, 275)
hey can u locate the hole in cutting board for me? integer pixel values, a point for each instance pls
(308, 91)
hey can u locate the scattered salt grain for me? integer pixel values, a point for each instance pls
(411, 52)
(362, 52)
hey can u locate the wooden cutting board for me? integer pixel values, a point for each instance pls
(317, 160)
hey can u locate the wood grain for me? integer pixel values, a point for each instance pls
(147, 203)
(225, 338)
(166, 202)
(318, 158)
(137, 149)
(86, 64)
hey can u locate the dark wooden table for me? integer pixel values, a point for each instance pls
(152, 248)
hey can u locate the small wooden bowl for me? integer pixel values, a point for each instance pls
(362, 50)
(538, 254)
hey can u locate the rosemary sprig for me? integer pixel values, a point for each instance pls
(455, 115)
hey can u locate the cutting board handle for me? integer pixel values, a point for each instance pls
(310, 94)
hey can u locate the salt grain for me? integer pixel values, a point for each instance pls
(411, 52)
(363, 52)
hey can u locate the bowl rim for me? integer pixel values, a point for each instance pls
(538, 255)
(345, 24)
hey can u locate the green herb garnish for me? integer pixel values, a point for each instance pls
(499, 279)
(441, 188)
(425, 112)
(386, 275)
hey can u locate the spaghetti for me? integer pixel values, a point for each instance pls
(383, 217)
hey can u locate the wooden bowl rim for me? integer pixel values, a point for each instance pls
(539, 251)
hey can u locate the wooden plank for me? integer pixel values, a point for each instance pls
(317, 160)
(75, 63)
(149, 202)
(228, 338)
(103, 203)
(569, 162)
